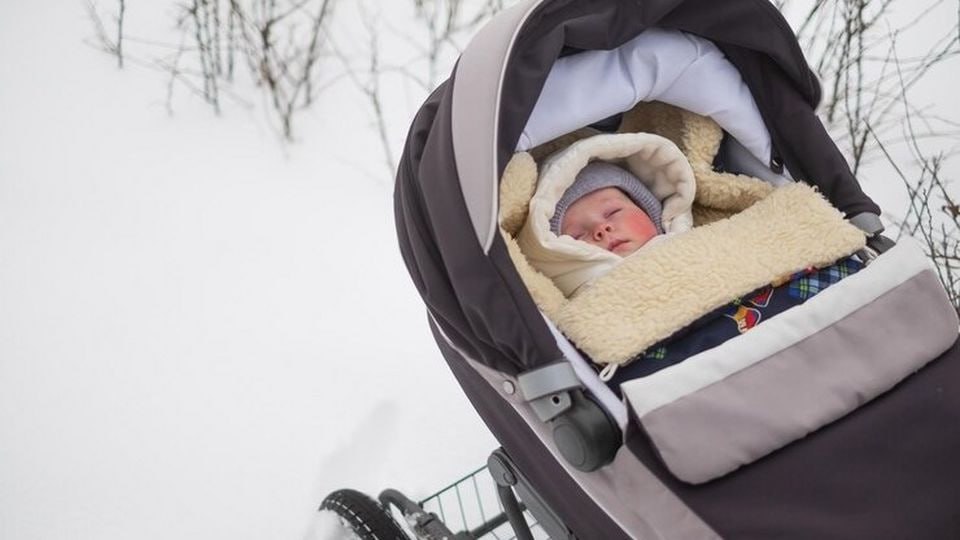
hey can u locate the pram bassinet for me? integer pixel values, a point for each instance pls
(888, 470)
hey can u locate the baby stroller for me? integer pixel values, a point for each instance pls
(849, 430)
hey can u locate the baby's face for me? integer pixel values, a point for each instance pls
(609, 219)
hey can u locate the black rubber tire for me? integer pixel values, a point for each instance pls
(363, 515)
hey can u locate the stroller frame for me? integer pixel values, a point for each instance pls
(524, 516)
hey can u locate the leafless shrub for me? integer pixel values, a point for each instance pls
(368, 80)
(101, 35)
(853, 45)
(441, 29)
(933, 217)
(444, 21)
(932, 211)
(282, 43)
(201, 18)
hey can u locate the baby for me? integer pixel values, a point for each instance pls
(587, 215)
(604, 215)
(608, 207)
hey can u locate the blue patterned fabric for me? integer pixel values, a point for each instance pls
(808, 285)
(731, 320)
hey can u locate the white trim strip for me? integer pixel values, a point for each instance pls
(588, 376)
(888, 271)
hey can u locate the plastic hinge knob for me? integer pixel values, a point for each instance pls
(586, 437)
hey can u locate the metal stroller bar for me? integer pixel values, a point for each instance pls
(508, 478)
(426, 525)
(510, 484)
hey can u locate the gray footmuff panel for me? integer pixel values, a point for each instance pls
(813, 364)
(731, 423)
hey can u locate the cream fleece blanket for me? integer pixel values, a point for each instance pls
(653, 159)
(751, 235)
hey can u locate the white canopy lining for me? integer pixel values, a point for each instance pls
(674, 67)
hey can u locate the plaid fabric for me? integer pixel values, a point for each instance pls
(657, 353)
(812, 282)
(741, 315)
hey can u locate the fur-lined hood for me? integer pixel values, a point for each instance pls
(655, 160)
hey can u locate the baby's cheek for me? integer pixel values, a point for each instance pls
(642, 228)
(651, 229)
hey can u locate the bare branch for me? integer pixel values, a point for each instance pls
(103, 41)
(123, 9)
(368, 83)
(853, 47)
(282, 42)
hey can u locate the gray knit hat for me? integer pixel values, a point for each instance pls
(598, 175)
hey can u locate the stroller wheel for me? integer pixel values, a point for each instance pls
(362, 515)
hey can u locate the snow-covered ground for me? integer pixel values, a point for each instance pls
(202, 331)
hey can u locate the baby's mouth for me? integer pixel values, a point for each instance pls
(616, 244)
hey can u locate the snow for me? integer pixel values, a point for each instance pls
(202, 332)
(326, 526)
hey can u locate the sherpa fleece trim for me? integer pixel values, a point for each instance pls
(719, 194)
(660, 290)
(655, 160)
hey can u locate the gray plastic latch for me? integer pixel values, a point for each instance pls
(868, 223)
(877, 244)
(546, 389)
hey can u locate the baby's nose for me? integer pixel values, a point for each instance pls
(602, 230)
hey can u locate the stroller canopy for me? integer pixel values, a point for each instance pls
(467, 130)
